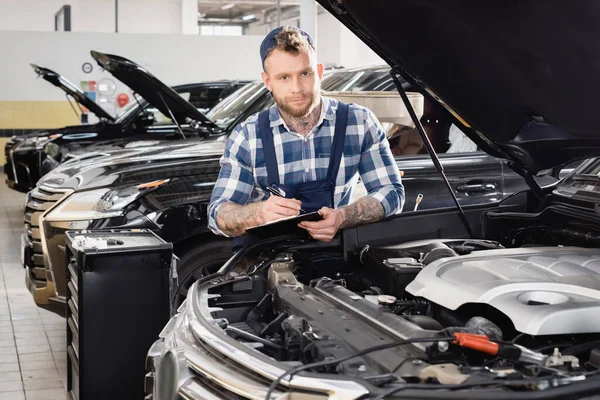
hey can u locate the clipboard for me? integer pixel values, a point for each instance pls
(284, 226)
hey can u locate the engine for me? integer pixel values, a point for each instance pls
(533, 306)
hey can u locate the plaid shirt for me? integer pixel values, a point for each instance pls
(243, 173)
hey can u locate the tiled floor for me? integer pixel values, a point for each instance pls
(33, 359)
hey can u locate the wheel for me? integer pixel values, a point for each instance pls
(198, 261)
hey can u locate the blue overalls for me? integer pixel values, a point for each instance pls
(313, 195)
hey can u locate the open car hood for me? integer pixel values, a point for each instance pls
(152, 89)
(72, 90)
(522, 78)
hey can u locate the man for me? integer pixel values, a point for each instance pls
(291, 148)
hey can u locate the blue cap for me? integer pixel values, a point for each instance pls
(269, 42)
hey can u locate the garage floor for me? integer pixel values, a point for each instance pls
(33, 360)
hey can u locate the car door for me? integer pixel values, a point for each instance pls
(475, 178)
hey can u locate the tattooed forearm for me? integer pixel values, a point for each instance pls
(233, 219)
(366, 209)
(303, 125)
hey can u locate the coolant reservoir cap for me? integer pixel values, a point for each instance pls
(386, 300)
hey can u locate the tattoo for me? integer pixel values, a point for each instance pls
(364, 210)
(233, 219)
(302, 125)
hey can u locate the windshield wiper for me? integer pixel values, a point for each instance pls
(434, 157)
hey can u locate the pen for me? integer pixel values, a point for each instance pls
(280, 193)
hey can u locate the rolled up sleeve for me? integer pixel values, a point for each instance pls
(235, 181)
(378, 169)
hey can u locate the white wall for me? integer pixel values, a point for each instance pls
(336, 45)
(135, 16)
(175, 59)
(328, 40)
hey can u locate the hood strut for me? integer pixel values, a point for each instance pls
(434, 157)
(171, 114)
(69, 97)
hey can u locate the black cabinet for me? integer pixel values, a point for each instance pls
(118, 301)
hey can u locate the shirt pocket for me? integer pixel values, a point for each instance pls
(322, 165)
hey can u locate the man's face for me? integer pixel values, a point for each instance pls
(294, 80)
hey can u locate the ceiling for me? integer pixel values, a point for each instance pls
(233, 11)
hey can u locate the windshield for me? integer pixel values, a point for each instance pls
(229, 109)
(375, 79)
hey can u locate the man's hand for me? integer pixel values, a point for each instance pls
(276, 208)
(325, 229)
(364, 210)
(233, 219)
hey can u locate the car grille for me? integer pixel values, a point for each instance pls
(38, 202)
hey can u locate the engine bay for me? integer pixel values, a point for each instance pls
(522, 313)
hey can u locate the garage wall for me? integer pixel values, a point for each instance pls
(336, 45)
(135, 16)
(30, 103)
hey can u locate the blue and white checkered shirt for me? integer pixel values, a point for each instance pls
(367, 153)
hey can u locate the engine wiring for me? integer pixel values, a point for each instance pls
(326, 363)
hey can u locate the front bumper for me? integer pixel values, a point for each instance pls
(38, 276)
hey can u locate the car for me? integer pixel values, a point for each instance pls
(176, 209)
(496, 300)
(144, 122)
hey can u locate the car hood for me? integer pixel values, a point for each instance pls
(72, 90)
(152, 89)
(137, 165)
(522, 77)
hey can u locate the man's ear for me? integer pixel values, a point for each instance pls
(320, 70)
(266, 80)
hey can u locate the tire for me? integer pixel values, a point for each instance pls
(198, 261)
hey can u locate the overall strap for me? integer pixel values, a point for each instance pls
(339, 137)
(266, 134)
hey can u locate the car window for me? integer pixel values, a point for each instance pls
(445, 137)
(159, 118)
(206, 98)
(231, 108)
(363, 80)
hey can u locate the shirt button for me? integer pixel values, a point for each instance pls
(307, 170)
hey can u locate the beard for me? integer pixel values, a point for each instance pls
(287, 107)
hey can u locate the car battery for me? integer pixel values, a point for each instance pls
(119, 286)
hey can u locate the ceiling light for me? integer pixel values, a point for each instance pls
(227, 6)
(248, 17)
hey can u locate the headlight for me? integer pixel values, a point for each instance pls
(100, 203)
(92, 204)
(52, 150)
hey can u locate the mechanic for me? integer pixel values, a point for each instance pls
(291, 148)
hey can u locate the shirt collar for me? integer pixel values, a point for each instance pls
(328, 109)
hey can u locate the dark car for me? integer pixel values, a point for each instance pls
(496, 300)
(145, 121)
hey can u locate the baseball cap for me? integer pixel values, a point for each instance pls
(269, 42)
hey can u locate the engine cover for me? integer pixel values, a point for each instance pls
(543, 290)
